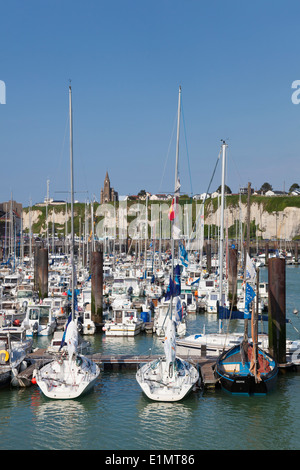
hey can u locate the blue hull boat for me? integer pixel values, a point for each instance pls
(235, 369)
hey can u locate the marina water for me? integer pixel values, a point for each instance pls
(117, 416)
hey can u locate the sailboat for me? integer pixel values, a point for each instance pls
(240, 372)
(71, 374)
(169, 378)
(245, 368)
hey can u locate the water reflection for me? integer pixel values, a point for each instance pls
(62, 424)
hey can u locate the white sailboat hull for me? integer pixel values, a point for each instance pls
(65, 379)
(159, 385)
(214, 343)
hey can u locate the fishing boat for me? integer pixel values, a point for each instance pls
(168, 378)
(239, 373)
(70, 374)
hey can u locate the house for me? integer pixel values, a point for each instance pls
(160, 197)
(296, 192)
(201, 197)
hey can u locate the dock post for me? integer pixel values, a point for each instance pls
(296, 252)
(277, 309)
(42, 272)
(97, 286)
(35, 269)
(208, 257)
(232, 278)
(266, 253)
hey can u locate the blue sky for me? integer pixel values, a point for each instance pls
(235, 61)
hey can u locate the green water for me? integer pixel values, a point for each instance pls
(117, 416)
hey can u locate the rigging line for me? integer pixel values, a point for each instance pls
(203, 202)
(186, 148)
(236, 169)
(62, 148)
(166, 161)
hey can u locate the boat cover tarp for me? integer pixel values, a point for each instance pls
(226, 314)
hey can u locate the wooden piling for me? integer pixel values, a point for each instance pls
(41, 272)
(277, 309)
(296, 252)
(208, 257)
(232, 276)
(97, 287)
(266, 254)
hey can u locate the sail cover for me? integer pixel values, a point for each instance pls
(170, 342)
(71, 338)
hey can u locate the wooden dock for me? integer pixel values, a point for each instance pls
(120, 362)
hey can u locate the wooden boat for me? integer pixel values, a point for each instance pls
(238, 374)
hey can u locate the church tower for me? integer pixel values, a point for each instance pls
(108, 194)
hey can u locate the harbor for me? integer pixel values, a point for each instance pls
(149, 229)
(117, 415)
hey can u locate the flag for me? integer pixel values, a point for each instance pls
(250, 270)
(178, 310)
(170, 290)
(174, 206)
(172, 210)
(183, 255)
(250, 294)
(174, 287)
(177, 282)
(64, 335)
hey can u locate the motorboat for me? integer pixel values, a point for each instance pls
(161, 316)
(58, 343)
(124, 322)
(87, 325)
(12, 359)
(210, 344)
(39, 320)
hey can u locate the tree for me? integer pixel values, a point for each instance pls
(293, 187)
(226, 189)
(266, 187)
(142, 193)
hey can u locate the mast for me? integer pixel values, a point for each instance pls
(72, 200)
(176, 191)
(224, 145)
(178, 131)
